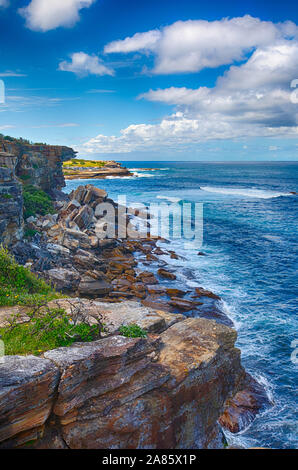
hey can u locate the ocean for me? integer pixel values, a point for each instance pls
(251, 241)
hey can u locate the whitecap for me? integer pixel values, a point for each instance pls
(255, 193)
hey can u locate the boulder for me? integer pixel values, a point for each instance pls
(201, 292)
(84, 217)
(91, 287)
(64, 280)
(164, 273)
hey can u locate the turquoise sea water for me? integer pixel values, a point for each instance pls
(250, 238)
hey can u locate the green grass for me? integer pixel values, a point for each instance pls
(132, 331)
(36, 201)
(18, 286)
(75, 162)
(46, 330)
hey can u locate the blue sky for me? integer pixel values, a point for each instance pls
(152, 80)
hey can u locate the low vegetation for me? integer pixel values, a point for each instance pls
(47, 328)
(132, 331)
(36, 201)
(76, 162)
(19, 286)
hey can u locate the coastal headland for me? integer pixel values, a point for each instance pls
(175, 381)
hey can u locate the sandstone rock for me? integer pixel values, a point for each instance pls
(58, 249)
(84, 217)
(172, 292)
(201, 292)
(164, 273)
(74, 239)
(94, 194)
(27, 388)
(242, 409)
(64, 279)
(183, 304)
(92, 287)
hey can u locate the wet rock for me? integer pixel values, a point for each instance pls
(242, 409)
(172, 292)
(167, 274)
(201, 292)
(183, 304)
(147, 278)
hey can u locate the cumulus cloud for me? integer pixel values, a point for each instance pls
(83, 64)
(138, 42)
(44, 15)
(190, 46)
(250, 99)
(256, 92)
(4, 3)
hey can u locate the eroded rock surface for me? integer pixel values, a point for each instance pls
(164, 391)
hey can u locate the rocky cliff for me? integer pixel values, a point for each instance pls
(41, 164)
(20, 162)
(164, 391)
(11, 201)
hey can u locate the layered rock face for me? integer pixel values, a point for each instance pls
(165, 391)
(11, 201)
(41, 164)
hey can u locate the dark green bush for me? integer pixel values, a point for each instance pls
(19, 286)
(46, 328)
(132, 331)
(36, 201)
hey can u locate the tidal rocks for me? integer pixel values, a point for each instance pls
(242, 409)
(167, 274)
(91, 287)
(183, 304)
(201, 292)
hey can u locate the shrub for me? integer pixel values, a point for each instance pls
(79, 162)
(47, 328)
(132, 331)
(36, 201)
(30, 232)
(19, 286)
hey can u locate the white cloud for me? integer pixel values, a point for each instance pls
(257, 92)
(44, 15)
(251, 99)
(10, 73)
(4, 3)
(83, 64)
(138, 42)
(190, 46)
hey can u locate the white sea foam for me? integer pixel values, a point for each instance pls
(169, 198)
(255, 193)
